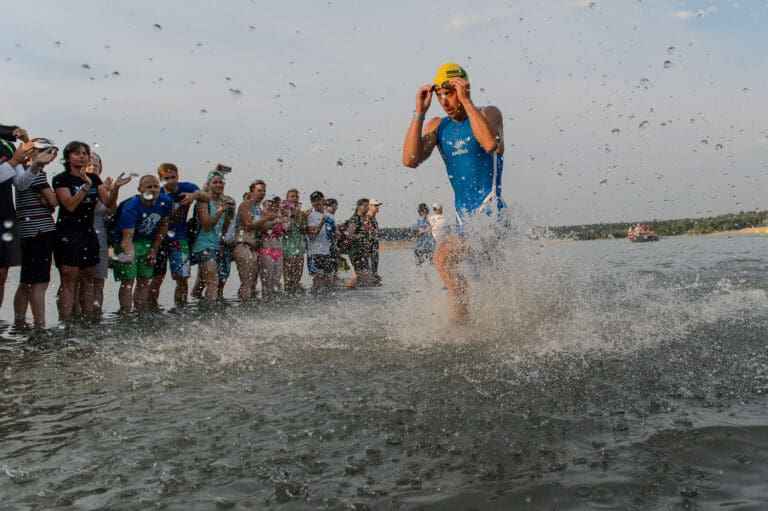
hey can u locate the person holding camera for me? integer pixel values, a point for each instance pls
(293, 243)
(359, 235)
(19, 168)
(37, 233)
(271, 250)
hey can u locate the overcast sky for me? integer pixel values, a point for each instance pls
(614, 110)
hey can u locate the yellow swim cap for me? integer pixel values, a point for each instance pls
(447, 71)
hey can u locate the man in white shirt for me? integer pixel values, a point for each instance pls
(321, 262)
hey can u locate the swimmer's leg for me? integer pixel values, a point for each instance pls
(448, 254)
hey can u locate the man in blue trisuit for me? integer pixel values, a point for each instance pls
(471, 142)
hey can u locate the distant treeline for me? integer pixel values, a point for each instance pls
(729, 222)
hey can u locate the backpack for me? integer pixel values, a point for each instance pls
(110, 222)
(193, 228)
(342, 239)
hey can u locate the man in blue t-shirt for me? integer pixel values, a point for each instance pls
(175, 248)
(471, 142)
(140, 228)
(423, 242)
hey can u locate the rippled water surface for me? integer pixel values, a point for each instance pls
(595, 375)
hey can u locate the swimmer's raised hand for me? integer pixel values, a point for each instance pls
(423, 99)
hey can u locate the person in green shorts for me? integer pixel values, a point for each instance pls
(140, 228)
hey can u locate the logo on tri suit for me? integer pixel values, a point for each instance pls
(458, 147)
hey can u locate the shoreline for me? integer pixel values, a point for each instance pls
(760, 230)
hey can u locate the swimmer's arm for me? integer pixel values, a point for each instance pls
(419, 143)
(487, 126)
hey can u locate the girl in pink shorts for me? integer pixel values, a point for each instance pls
(271, 251)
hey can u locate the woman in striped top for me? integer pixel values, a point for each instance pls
(34, 217)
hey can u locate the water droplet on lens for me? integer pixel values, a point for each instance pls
(279, 160)
(157, 27)
(705, 142)
(693, 121)
(667, 64)
(236, 92)
(604, 182)
(745, 89)
(7, 236)
(671, 50)
(615, 131)
(203, 111)
(116, 73)
(8, 224)
(592, 5)
(719, 147)
(339, 163)
(643, 125)
(645, 82)
(85, 66)
(291, 85)
(57, 44)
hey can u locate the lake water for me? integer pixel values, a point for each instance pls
(595, 375)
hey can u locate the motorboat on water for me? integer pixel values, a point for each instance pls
(641, 233)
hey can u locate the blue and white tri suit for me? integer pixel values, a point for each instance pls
(470, 169)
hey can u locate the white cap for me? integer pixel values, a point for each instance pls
(374, 202)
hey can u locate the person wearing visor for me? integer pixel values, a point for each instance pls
(471, 143)
(18, 168)
(34, 214)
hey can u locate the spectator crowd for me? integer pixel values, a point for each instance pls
(77, 221)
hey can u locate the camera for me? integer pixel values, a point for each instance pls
(42, 143)
(6, 133)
